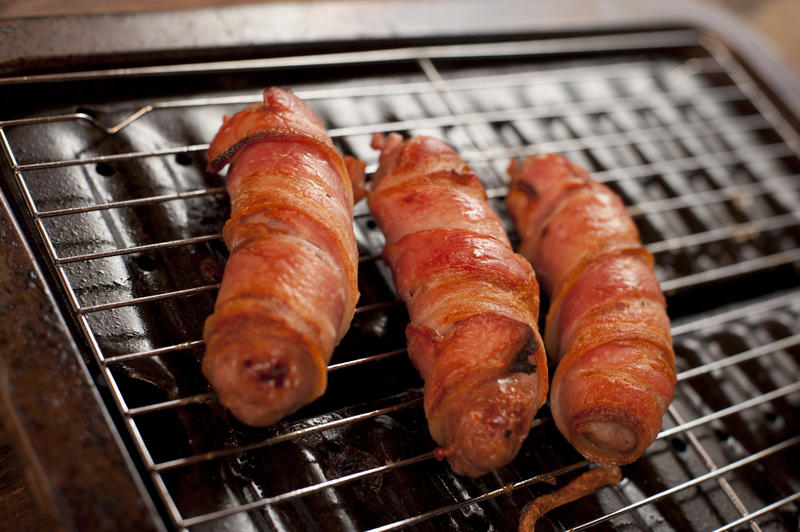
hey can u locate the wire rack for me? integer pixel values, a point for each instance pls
(130, 225)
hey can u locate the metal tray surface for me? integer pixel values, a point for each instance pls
(107, 181)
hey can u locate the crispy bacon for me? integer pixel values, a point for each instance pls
(607, 327)
(585, 484)
(289, 288)
(473, 303)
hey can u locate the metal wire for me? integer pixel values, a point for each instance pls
(681, 428)
(678, 91)
(649, 40)
(761, 511)
(777, 448)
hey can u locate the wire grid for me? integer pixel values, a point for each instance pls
(705, 163)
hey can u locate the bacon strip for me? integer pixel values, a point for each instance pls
(289, 288)
(607, 327)
(473, 303)
(587, 483)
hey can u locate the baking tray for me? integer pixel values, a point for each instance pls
(112, 254)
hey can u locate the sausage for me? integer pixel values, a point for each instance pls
(607, 327)
(473, 303)
(289, 288)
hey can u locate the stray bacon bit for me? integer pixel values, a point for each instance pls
(211, 270)
(587, 483)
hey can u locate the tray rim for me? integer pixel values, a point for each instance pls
(77, 41)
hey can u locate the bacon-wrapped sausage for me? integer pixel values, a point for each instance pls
(607, 327)
(289, 288)
(472, 301)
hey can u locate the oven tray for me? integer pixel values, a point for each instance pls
(106, 181)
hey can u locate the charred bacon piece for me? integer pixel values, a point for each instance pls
(585, 484)
(472, 301)
(289, 288)
(607, 327)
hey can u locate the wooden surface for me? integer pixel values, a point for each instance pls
(776, 19)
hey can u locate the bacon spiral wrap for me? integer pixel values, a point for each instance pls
(289, 288)
(472, 301)
(607, 327)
